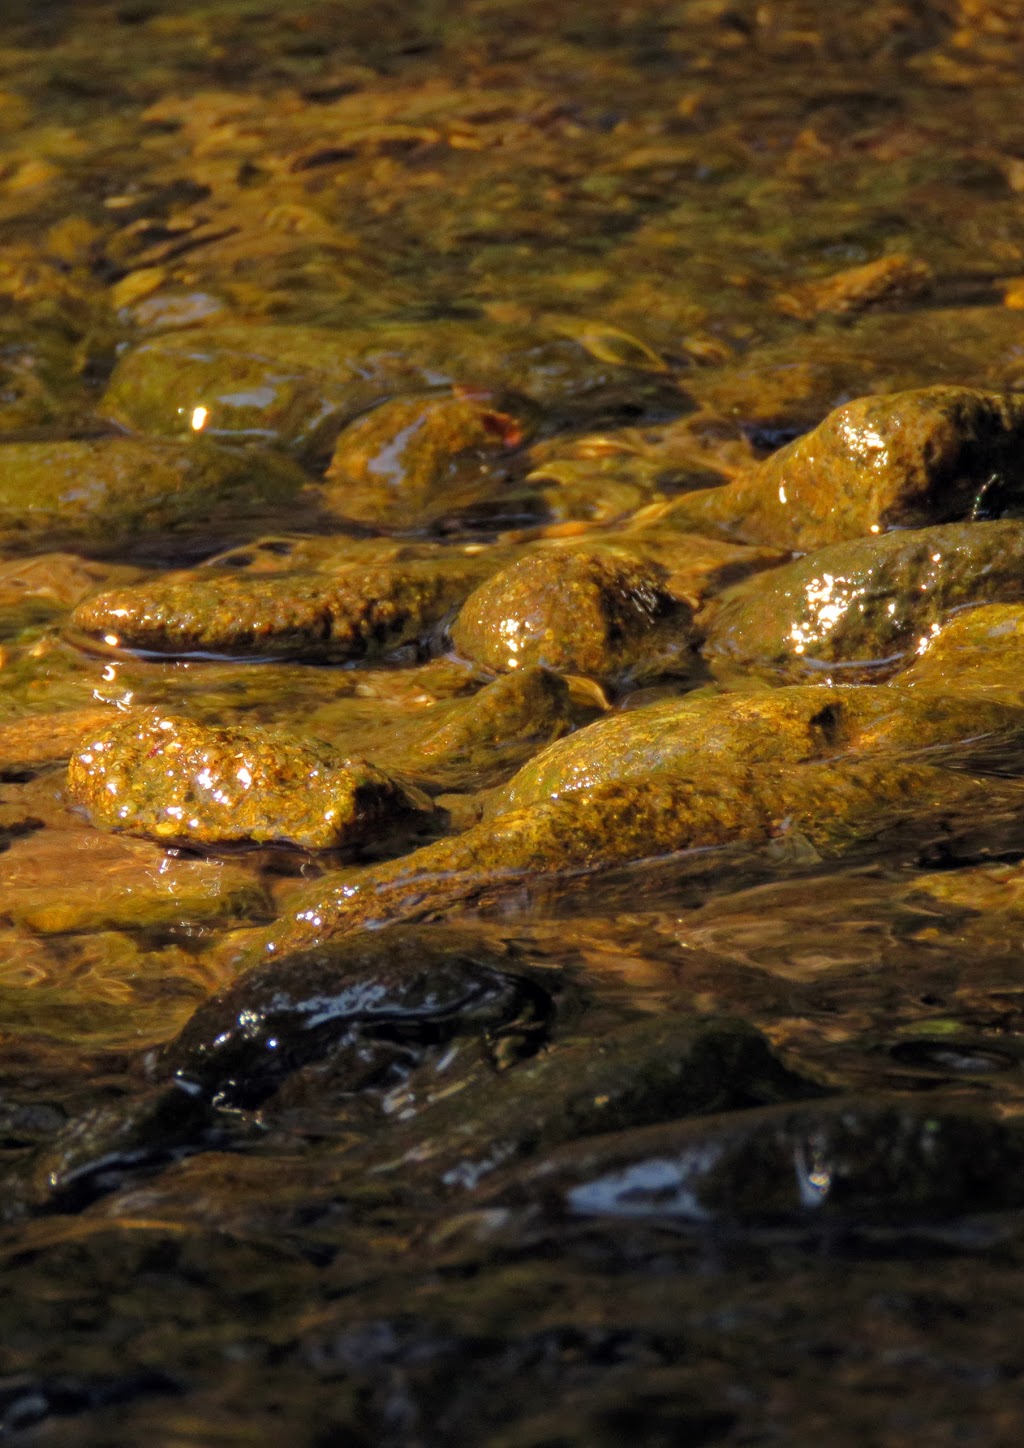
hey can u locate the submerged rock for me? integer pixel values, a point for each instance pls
(359, 611)
(111, 493)
(860, 608)
(888, 1159)
(902, 460)
(890, 281)
(416, 460)
(582, 612)
(298, 386)
(59, 881)
(171, 779)
(643, 1072)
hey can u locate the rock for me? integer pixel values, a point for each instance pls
(58, 881)
(890, 281)
(46, 738)
(859, 609)
(354, 612)
(414, 461)
(113, 493)
(609, 617)
(297, 386)
(171, 779)
(647, 1071)
(885, 1159)
(902, 460)
(723, 739)
(418, 986)
(830, 810)
(976, 648)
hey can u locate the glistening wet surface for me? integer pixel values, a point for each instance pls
(511, 723)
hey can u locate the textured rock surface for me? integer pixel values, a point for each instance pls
(595, 613)
(901, 460)
(858, 609)
(171, 779)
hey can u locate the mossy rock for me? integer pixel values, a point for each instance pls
(901, 460)
(977, 648)
(116, 492)
(860, 608)
(168, 778)
(356, 612)
(593, 612)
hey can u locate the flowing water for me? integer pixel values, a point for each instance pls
(587, 1133)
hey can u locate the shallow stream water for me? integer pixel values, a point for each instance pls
(588, 1139)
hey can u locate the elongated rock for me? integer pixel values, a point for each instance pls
(861, 608)
(902, 460)
(112, 492)
(171, 779)
(356, 612)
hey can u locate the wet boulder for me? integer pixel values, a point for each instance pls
(415, 461)
(836, 809)
(116, 492)
(902, 460)
(355, 612)
(887, 1159)
(725, 737)
(171, 779)
(414, 987)
(593, 612)
(860, 609)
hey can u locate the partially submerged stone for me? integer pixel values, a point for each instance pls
(591, 612)
(902, 460)
(863, 607)
(413, 461)
(114, 492)
(171, 779)
(976, 648)
(353, 613)
(832, 809)
(718, 740)
(39, 590)
(485, 737)
(58, 881)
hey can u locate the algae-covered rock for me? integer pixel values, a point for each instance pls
(59, 881)
(172, 779)
(415, 460)
(355, 612)
(862, 606)
(114, 492)
(297, 386)
(977, 648)
(724, 738)
(903, 460)
(584, 612)
(833, 809)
